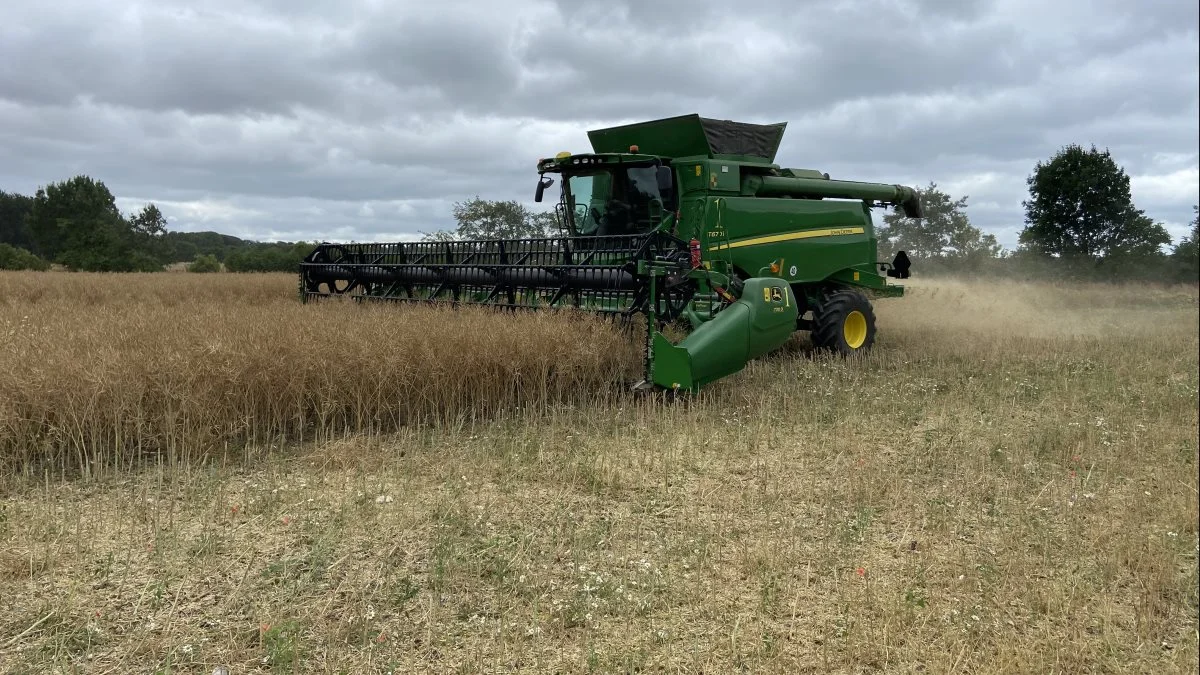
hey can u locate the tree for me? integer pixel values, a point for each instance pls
(1187, 251)
(13, 258)
(483, 219)
(149, 229)
(543, 223)
(185, 246)
(14, 208)
(149, 222)
(264, 257)
(1079, 206)
(205, 263)
(77, 223)
(72, 213)
(944, 232)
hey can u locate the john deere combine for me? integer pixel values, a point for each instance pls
(684, 220)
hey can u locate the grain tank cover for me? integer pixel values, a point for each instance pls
(690, 135)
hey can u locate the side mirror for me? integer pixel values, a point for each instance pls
(900, 266)
(665, 182)
(541, 188)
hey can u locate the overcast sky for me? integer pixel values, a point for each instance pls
(366, 119)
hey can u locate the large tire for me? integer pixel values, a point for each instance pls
(844, 323)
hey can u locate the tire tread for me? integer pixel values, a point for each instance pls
(827, 320)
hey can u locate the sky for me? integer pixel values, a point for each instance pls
(366, 120)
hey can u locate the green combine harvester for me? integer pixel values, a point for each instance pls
(684, 220)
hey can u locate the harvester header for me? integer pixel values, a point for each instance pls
(685, 220)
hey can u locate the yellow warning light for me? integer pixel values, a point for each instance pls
(562, 155)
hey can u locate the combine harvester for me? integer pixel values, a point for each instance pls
(684, 220)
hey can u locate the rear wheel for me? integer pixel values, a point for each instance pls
(844, 322)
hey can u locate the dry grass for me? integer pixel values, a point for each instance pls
(1009, 484)
(102, 370)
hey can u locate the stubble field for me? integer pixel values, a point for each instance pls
(198, 471)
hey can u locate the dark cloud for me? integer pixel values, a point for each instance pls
(362, 119)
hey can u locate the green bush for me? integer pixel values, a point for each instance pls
(262, 257)
(13, 258)
(205, 263)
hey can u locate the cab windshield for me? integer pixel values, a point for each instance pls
(617, 200)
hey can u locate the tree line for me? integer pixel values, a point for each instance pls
(76, 224)
(1080, 223)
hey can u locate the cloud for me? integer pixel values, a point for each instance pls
(365, 119)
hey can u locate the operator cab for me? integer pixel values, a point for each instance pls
(604, 195)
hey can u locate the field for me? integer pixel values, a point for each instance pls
(198, 471)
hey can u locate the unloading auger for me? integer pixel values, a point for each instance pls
(684, 220)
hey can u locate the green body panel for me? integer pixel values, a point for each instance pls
(810, 240)
(759, 322)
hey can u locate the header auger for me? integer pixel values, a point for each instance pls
(683, 220)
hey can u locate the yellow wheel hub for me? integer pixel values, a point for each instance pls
(854, 329)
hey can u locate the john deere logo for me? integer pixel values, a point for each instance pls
(776, 294)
